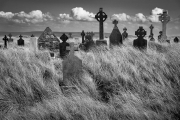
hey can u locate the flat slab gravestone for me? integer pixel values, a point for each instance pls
(20, 42)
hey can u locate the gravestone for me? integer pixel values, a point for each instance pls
(88, 43)
(151, 33)
(20, 42)
(164, 18)
(48, 40)
(140, 42)
(176, 40)
(5, 41)
(83, 35)
(115, 37)
(70, 35)
(10, 38)
(63, 45)
(124, 34)
(34, 43)
(101, 17)
(72, 67)
(159, 36)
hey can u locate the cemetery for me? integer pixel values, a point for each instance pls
(61, 77)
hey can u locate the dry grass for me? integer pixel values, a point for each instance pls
(140, 85)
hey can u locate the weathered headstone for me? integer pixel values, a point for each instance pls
(176, 40)
(101, 17)
(10, 38)
(34, 43)
(159, 36)
(70, 35)
(124, 34)
(115, 37)
(20, 42)
(140, 42)
(72, 67)
(151, 33)
(5, 41)
(164, 18)
(63, 45)
(83, 35)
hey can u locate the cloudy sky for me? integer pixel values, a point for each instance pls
(78, 15)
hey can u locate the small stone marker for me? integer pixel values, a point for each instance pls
(101, 17)
(159, 36)
(20, 41)
(72, 67)
(151, 33)
(140, 42)
(83, 35)
(63, 45)
(34, 43)
(115, 37)
(176, 40)
(124, 34)
(5, 41)
(164, 18)
(10, 38)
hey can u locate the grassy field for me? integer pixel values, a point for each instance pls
(141, 85)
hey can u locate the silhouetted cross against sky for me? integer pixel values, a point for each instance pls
(64, 37)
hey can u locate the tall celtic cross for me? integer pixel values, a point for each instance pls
(101, 17)
(5, 41)
(164, 18)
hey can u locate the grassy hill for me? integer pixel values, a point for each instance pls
(140, 85)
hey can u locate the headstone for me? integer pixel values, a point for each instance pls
(20, 42)
(115, 37)
(72, 67)
(176, 40)
(70, 35)
(34, 43)
(140, 42)
(48, 40)
(124, 34)
(63, 45)
(10, 38)
(164, 18)
(52, 55)
(159, 36)
(83, 35)
(151, 33)
(88, 41)
(5, 41)
(101, 17)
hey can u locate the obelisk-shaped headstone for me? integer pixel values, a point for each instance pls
(5, 41)
(164, 18)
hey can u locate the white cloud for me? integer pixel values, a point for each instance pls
(139, 18)
(6, 15)
(121, 17)
(154, 17)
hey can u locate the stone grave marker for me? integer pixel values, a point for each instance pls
(83, 35)
(34, 43)
(151, 33)
(20, 42)
(140, 42)
(159, 36)
(101, 17)
(63, 45)
(115, 37)
(124, 34)
(5, 41)
(10, 38)
(164, 18)
(176, 40)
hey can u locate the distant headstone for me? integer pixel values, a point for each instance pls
(115, 37)
(101, 17)
(164, 18)
(159, 36)
(140, 42)
(151, 33)
(20, 42)
(176, 40)
(5, 41)
(10, 38)
(124, 34)
(83, 35)
(34, 43)
(63, 45)
(72, 67)
(70, 35)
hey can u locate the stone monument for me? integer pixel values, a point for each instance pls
(63, 45)
(20, 42)
(34, 43)
(124, 34)
(151, 33)
(5, 41)
(176, 40)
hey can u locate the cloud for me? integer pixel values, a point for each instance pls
(78, 14)
(35, 16)
(154, 16)
(121, 17)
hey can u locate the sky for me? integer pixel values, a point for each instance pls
(78, 15)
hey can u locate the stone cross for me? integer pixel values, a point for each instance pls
(63, 45)
(101, 17)
(20, 41)
(5, 41)
(83, 35)
(151, 33)
(124, 34)
(164, 18)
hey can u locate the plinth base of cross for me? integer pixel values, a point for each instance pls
(101, 42)
(152, 39)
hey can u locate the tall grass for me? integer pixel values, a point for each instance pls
(139, 85)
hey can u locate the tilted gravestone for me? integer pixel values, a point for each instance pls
(140, 42)
(101, 17)
(20, 42)
(115, 37)
(10, 38)
(124, 34)
(34, 43)
(151, 33)
(72, 67)
(164, 18)
(5, 41)
(63, 45)
(176, 40)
